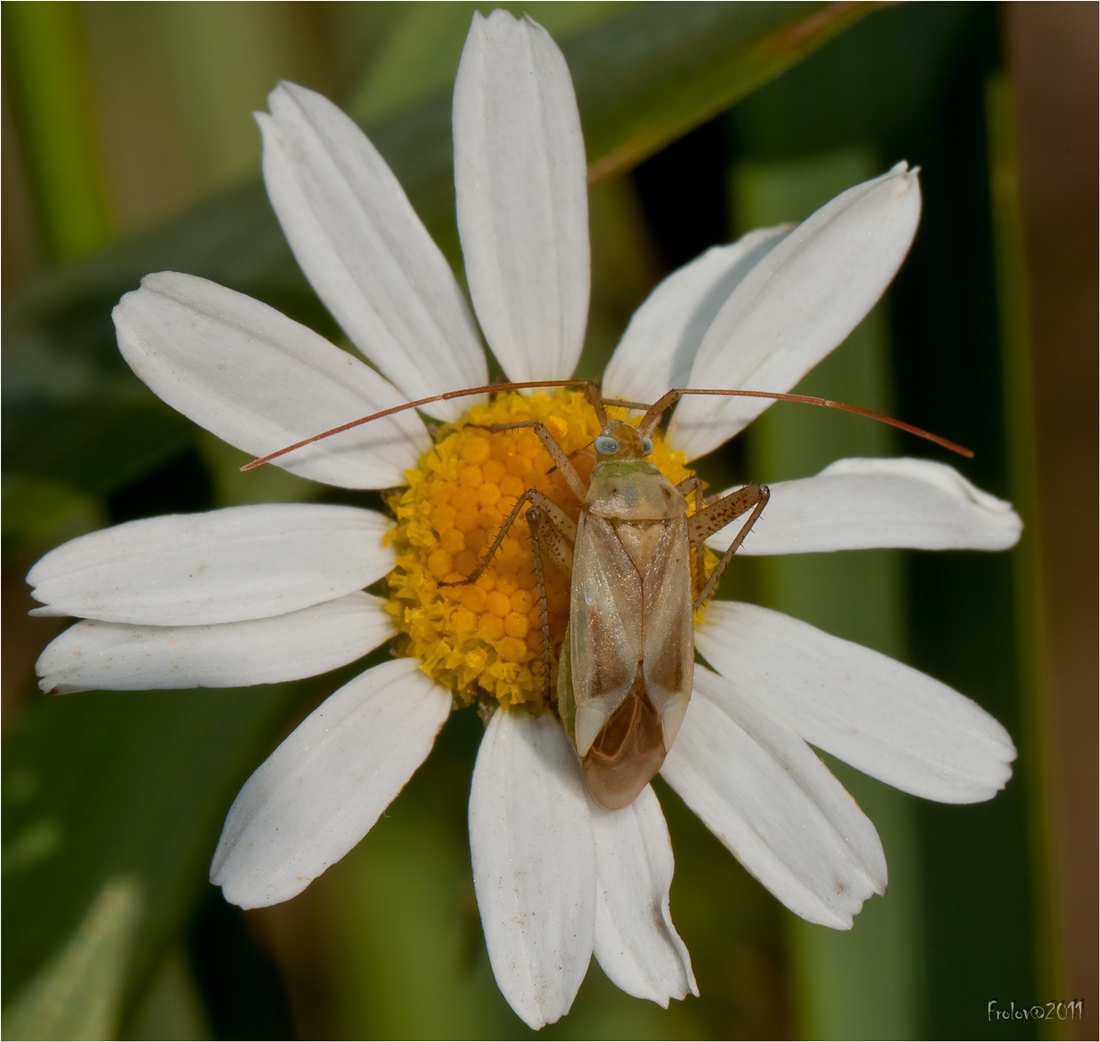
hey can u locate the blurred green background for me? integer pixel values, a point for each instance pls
(128, 147)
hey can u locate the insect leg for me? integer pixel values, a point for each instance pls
(557, 453)
(716, 516)
(595, 399)
(648, 423)
(533, 496)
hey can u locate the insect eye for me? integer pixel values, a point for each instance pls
(647, 445)
(606, 446)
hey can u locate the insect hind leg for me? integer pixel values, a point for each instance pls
(715, 516)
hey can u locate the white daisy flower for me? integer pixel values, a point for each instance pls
(260, 594)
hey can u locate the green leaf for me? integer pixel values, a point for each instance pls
(646, 79)
(112, 806)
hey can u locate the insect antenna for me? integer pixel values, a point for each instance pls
(466, 392)
(648, 424)
(653, 416)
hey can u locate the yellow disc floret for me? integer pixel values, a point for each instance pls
(486, 636)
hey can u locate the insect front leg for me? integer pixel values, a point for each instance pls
(536, 499)
(714, 517)
(555, 451)
(553, 533)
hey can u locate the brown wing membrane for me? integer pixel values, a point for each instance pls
(626, 754)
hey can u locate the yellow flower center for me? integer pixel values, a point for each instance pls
(486, 637)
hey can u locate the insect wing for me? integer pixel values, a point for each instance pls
(668, 633)
(605, 627)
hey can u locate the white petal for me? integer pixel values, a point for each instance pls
(320, 792)
(636, 944)
(883, 717)
(113, 656)
(261, 381)
(798, 303)
(521, 196)
(659, 346)
(860, 504)
(772, 802)
(534, 863)
(365, 251)
(227, 565)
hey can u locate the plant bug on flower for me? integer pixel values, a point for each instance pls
(634, 557)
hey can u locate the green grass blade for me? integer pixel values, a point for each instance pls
(47, 73)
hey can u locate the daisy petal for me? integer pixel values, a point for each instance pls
(261, 381)
(860, 504)
(659, 346)
(758, 787)
(365, 251)
(113, 656)
(521, 196)
(227, 565)
(534, 864)
(323, 789)
(636, 944)
(882, 717)
(797, 304)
